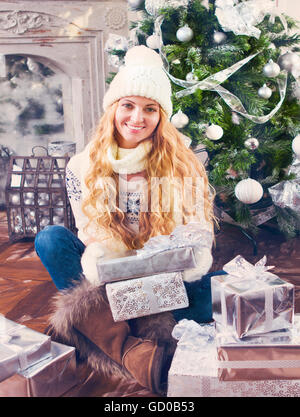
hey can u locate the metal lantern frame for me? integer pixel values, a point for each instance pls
(36, 195)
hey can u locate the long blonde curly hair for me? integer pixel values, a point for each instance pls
(169, 158)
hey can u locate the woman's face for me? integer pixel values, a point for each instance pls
(135, 120)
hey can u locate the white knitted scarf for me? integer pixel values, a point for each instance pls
(129, 161)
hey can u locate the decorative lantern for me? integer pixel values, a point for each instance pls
(36, 195)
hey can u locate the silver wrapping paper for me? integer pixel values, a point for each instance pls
(178, 251)
(51, 377)
(250, 300)
(9, 362)
(194, 370)
(28, 345)
(286, 194)
(145, 296)
(273, 355)
(130, 265)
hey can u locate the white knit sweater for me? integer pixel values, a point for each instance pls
(132, 194)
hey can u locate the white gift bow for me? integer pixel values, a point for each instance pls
(193, 336)
(242, 18)
(189, 235)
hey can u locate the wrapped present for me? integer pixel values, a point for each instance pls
(165, 253)
(195, 367)
(50, 377)
(147, 295)
(9, 362)
(273, 355)
(250, 300)
(20, 347)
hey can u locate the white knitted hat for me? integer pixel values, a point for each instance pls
(142, 75)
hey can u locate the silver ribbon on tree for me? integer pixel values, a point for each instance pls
(213, 82)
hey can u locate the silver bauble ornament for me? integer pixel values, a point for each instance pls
(235, 118)
(153, 41)
(44, 221)
(58, 220)
(251, 143)
(179, 120)
(214, 132)
(271, 69)
(219, 37)
(289, 61)
(152, 6)
(15, 199)
(134, 4)
(265, 92)
(191, 76)
(248, 191)
(296, 146)
(28, 202)
(184, 34)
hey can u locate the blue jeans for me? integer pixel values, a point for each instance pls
(60, 252)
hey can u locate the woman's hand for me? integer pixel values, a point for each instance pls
(91, 254)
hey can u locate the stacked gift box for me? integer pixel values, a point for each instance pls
(32, 365)
(251, 349)
(150, 280)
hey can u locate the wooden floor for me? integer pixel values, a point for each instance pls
(26, 289)
(25, 297)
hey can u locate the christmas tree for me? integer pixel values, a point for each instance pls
(235, 72)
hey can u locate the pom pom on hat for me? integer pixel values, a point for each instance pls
(142, 75)
(141, 55)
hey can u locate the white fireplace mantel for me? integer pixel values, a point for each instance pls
(69, 38)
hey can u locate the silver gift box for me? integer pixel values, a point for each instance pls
(250, 301)
(9, 362)
(131, 265)
(195, 368)
(179, 251)
(28, 345)
(51, 377)
(272, 355)
(145, 296)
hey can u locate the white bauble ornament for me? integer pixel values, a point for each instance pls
(271, 69)
(251, 143)
(153, 41)
(191, 76)
(179, 120)
(265, 92)
(134, 4)
(248, 191)
(214, 132)
(296, 145)
(289, 61)
(184, 34)
(219, 37)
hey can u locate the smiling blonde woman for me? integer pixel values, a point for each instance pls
(135, 179)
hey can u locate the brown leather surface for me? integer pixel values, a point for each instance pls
(26, 290)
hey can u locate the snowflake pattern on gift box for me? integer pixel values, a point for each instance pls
(169, 292)
(130, 299)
